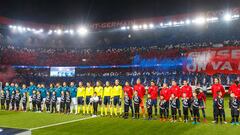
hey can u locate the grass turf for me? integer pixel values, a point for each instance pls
(103, 126)
(117, 126)
(27, 120)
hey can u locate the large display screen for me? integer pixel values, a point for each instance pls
(62, 71)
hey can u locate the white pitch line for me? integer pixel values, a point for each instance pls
(61, 123)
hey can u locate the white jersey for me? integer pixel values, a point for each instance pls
(94, 99)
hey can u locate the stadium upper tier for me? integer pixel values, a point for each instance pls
(75, 57)
(192, 33)
(113, 47)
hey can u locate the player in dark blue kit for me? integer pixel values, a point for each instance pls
(185, 105)
(219, 106)
(39, 101)
(8, 100)
(54, 102)
(126, 105)
(149, 107)
(48, 102)
(195, 108)
(62, 102)
(173, 104)
(234, 105)
(163, 108)
(137, 100)
(2, 98)
(24, 101)
(68, 102)
(17, 99)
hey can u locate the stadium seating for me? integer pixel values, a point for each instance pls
(74, 57)
(165, 45)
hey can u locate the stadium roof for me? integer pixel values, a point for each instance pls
(134, 24)
(89, 11)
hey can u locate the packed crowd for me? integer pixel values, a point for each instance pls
(179, 100)
(21, 49)
(202, 79)
(12, 55)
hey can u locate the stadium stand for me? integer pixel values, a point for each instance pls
(118, 48)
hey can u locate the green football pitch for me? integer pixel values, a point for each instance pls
(61, 124)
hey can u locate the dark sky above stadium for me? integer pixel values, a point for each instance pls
(79, 11)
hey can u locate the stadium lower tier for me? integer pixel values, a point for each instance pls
(43, 76)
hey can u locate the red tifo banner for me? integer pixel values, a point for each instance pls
(224, 60)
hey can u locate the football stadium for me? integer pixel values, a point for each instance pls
(119, 67)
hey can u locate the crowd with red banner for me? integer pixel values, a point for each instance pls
(12, 55)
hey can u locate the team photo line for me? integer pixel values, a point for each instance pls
(173, 101)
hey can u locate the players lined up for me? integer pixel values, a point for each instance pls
(86, 100)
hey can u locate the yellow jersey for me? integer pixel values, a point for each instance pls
(117, 91)
(89, 91)
(107, 91)
(81, 92)
(99, 90)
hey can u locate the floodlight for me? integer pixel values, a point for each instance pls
(29, 29)
(24, 29)
(66, 31)
(140, 26)
(170, 23)
(135, 27)
(19, 28)
(227, 17)
(199, 20)
(82, 31)
(50, 32)
(145, 26)
(71, 32)
(59, 31)
(41, 30)
(151, 26)
(235, 16)
(123, 28)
